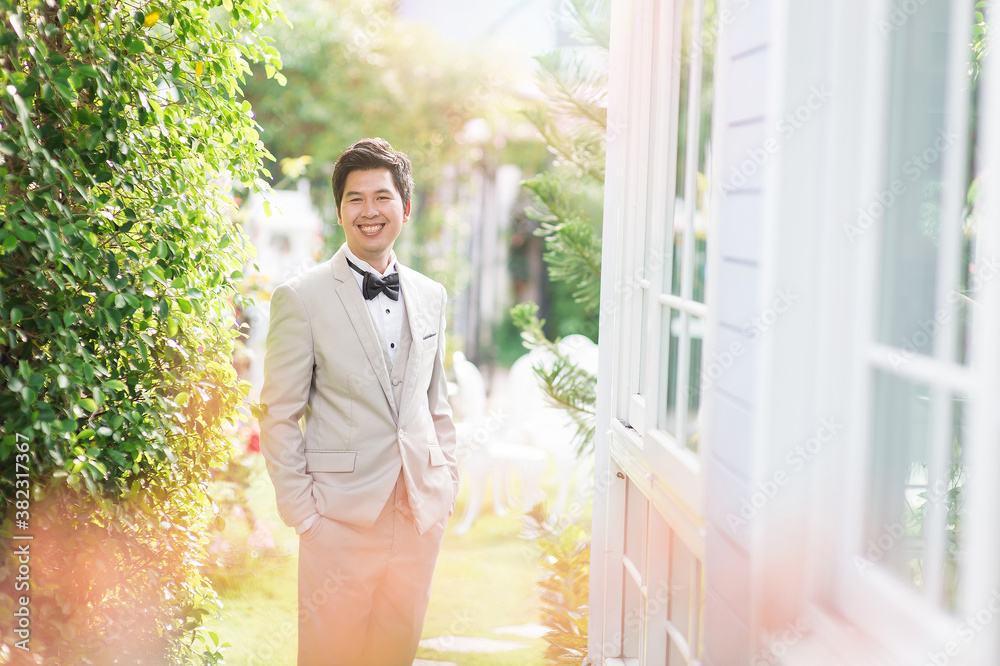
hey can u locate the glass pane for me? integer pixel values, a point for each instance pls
(666, 419)
(899, 475)
(672, 367)
(692, 422)
(952, 500)
(708, 33)
(675, 236)
(914, 529)
(685, 59)
(910, 200)
(676, 249)
(975, 270)
(704, 46)
(641, 352)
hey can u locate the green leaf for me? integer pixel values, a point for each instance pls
(26, 235)
(135, 46)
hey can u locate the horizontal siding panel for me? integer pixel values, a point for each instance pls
(746, 153)
(725, 492)
(741, 221)
(729, 372)
(743, 25)
(737, 300)
(731, 429)
(727, 570)
(746, 87)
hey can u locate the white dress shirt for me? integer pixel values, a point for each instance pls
(387, 315)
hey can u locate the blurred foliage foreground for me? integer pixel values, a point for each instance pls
(118, 262)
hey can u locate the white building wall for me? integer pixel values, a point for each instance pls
(742, 133)
(799, 141)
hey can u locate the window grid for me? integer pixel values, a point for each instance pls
(658, 630)
(639, 128)
(692, 149)
(940, 371)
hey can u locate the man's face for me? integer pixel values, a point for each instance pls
(372, 214)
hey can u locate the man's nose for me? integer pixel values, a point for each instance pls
(370, 209)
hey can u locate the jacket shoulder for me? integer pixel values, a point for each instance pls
(318, 276)
(424, 283)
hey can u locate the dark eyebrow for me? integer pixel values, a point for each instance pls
(384, 190)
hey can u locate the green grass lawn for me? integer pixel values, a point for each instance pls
(484, 580)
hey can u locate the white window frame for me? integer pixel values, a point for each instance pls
(642, 150)
(909, 624)
(677, 466)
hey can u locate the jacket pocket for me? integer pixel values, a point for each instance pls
(330, 461)
(437, 456)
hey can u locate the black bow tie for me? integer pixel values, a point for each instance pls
(373, 284)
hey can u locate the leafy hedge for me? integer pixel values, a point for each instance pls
(120, 124)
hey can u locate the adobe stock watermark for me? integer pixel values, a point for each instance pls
(795, 461)
(635, 620)
(912, 169)
(900, 14)
(894, 533)
(926, 329)
(275, 642)
(726, 17)
(459, 627)
(778, 644)
(723, 360)
(966, 632)
(785, 128)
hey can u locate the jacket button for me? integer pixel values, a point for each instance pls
(401, 432)
(397, 382)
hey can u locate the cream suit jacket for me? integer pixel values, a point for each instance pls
(325, 361)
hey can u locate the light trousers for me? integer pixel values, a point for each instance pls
(363, 594)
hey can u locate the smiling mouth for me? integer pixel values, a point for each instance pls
(370, 229)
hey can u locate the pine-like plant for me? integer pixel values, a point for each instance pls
(573, 124)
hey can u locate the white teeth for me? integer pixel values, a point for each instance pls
(371, 229)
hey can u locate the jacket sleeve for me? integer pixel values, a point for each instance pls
(437, 399)
(288, 375)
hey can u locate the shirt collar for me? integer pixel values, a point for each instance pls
(364, 265)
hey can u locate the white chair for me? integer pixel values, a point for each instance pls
(484, 454)
(548, 427)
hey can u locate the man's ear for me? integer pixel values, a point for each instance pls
(340, 220)
(406, 211)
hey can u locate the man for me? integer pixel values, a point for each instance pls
(356, 346)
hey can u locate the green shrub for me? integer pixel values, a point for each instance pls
(119, 123)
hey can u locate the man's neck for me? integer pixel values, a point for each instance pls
(380, 265)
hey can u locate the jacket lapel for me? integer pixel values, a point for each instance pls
(357, 312)
(416, 319)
